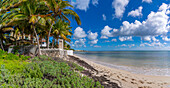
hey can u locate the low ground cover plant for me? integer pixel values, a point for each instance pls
(41, 72)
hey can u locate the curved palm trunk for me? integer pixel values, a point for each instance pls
(2, 44)
(39, 51)
(1, 41)
(48, 41)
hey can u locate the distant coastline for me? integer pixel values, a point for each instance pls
(81, 50)
(122, 50)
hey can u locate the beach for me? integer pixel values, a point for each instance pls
(126, 79)
(155, 63)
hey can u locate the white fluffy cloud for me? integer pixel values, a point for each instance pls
(79, 33)
(164, 8)
(124, 45)
(149, 38)
(104, 17)
(92, 37)
(126, 38)
(146, 38)
(106, 32)
(119, 6)
(92, 42)
(131, 45)
(137, 12)
(152, 44)
(165, 38)
(96, 46)
(81, 4)
(154, 39)
(147, 1)
(95, 2)
(114, 40)
(80, 43)
(156, 24)
(104, 37)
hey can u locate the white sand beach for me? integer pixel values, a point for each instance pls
(127, 79)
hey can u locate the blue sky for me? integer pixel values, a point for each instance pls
(121, 25)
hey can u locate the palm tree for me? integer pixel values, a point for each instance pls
(30, 12)
(60, 10)
(61, 29)
(50, 23)
(38, 15)
(6, 5)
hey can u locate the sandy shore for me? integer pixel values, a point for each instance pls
(129, 80)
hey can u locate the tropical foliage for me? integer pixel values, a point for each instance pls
(41, 19)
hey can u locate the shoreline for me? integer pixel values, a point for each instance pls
(133, 69)
(127, 79)
(144, 70)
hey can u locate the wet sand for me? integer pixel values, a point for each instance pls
(127, 79)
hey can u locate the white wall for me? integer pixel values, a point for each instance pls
(69, 52)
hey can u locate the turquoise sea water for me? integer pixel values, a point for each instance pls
(140, 62)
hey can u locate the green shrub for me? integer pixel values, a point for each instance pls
(24, 57)
(32, 70)
(10, 56)
(35, 59)
(14, 66)
(77, 67)
(44, 57)
(41, 73)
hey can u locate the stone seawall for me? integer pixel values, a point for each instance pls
(54, 52)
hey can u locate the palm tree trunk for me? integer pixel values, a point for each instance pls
(2, 44)
(57, 41)
(22, 35)
(48, 41)
(64, 44)
(41, 42)
(32, 38)
(16, 39)
(39, 51)
(1, 41)
(53, 43)
(14, 43)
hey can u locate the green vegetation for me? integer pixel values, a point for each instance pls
(77, 67)
(14, 66)
(9, 56)
(41, 72)
(41, 19)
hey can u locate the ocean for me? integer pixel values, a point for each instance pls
(140, 62)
